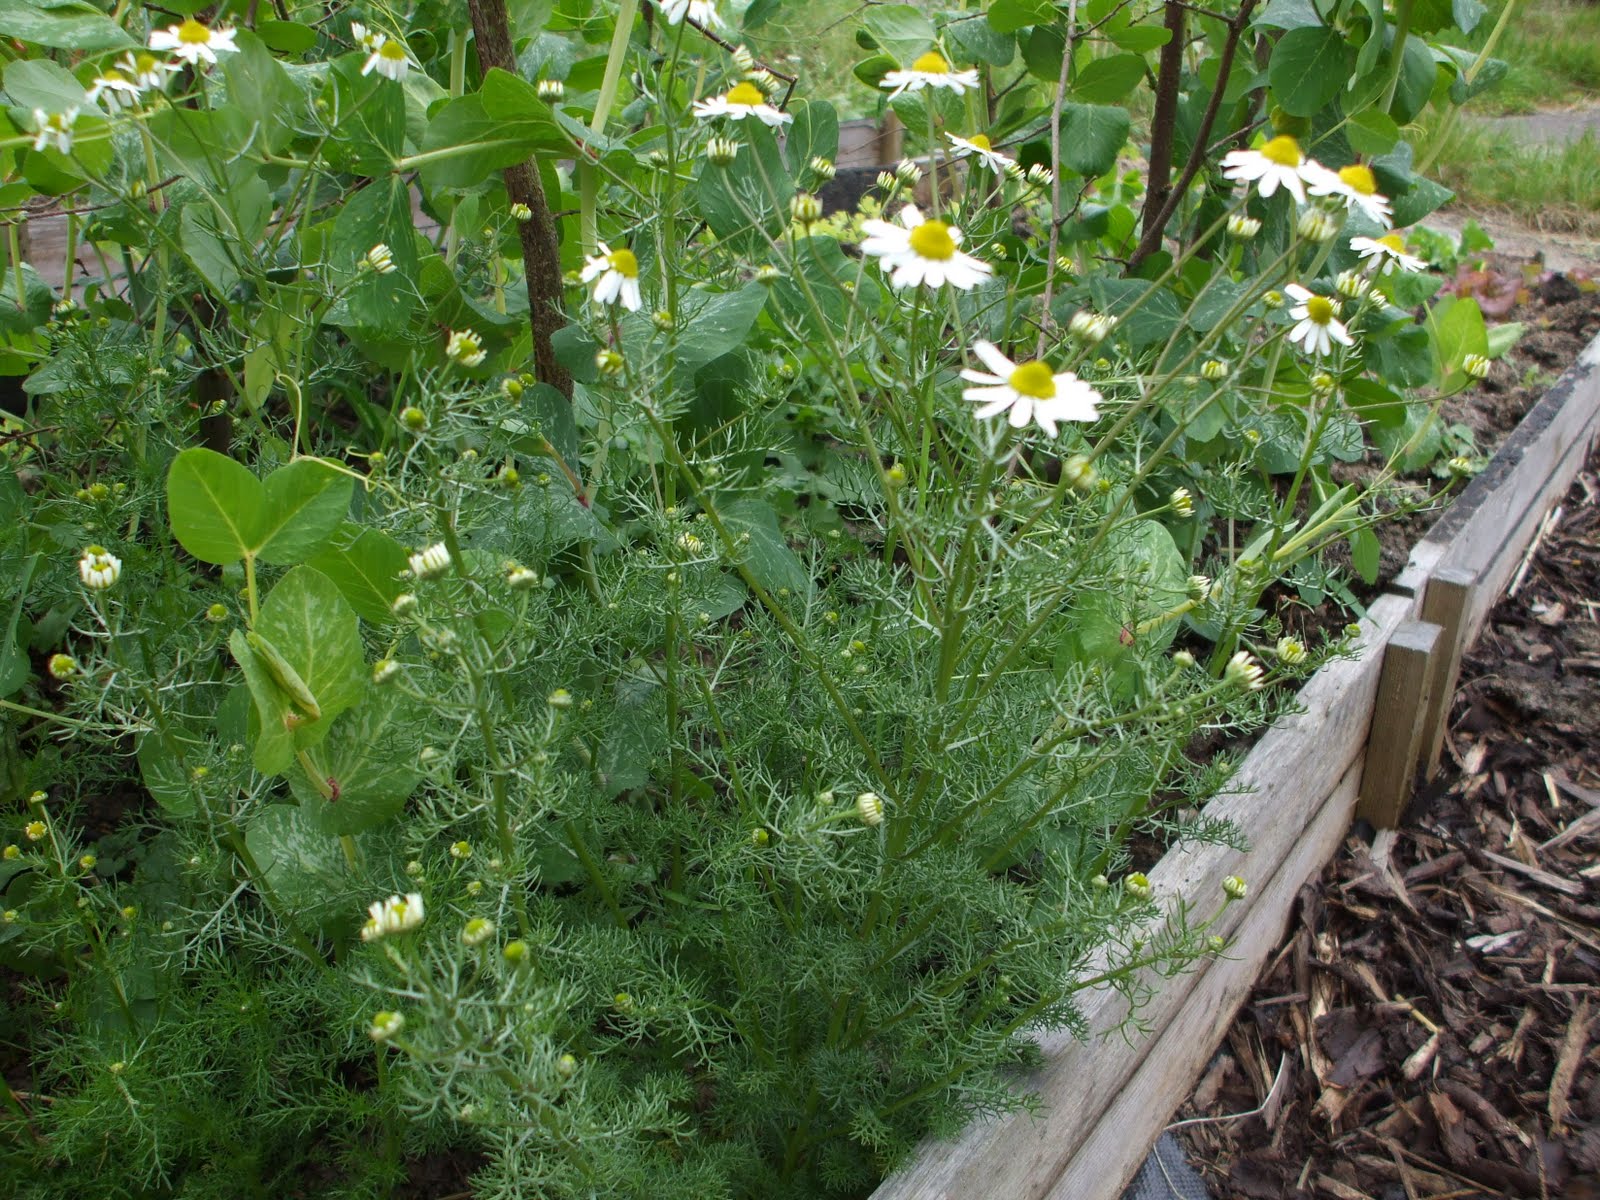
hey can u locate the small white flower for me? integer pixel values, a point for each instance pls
(1386, 253)
(384, 670)
(823, 168)
(521, 213)
(931, 70)
(393, 915)
(1319, 325)
(1244, 672)
(1182, 501)
(1243, 228)
(738, 102)
(430, 562)
(367, 39)
(551, 90)
(918, 251)
(146, 70)
(520, 578)
(1214, 370)
(615, 276)
(385, 1025)
(1090, 328)
(1476, 366)
(54, 129)
(1356, 186)
(113, 90)
(193, 42)
(465, 347)
(380, 259)
(979, 146)
(477, 931)
(701, 12)
(1040, 175)
(388, 58)
(1198, 587)
(1352, 285)
(1235, 888)
(869, 806)
(1029, 391)
(1279, 163)
(1291, 650)
(99, 568)
(1138, 885)
(907, 172)
(1316, 226)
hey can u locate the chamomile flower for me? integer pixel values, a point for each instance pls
(1029, 391)
(193, 42)
(380, 259)
(431, 561)
(918, 251)
(740, 101)
(1386, 253)
(1279, 163)
(701, 12)
(368, 39)
(114, 91)
(979, 146)
(393, 915)
(615, 276)
(1357, 187)
(465, 347)
(388, 58)
(54, 129)
(931, 70)
(147, 71)
(99, 568)
(1319, 325)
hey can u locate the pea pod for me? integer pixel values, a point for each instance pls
(284, 675)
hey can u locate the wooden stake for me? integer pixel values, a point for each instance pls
(1446, 603)
(1394, 744)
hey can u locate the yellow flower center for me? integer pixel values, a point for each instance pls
(745, 93)
(393, 51)
(1034, 379)
(145, 63)
(112, 75)
(932, 239)
(1394, 242)
(94, 552)
(1319, 309)
(981, 141)
(1360, 179)
(932, 63)
(624, 263)
(1283, 150)
(192, 33)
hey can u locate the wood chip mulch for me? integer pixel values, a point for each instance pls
(1430, 1027)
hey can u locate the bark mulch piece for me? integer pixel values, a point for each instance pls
(1430, 1027)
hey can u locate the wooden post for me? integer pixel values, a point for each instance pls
(1446, 603)
(1395, 741)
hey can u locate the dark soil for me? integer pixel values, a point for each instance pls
(1428, 1027)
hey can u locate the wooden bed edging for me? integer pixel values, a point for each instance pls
(1106, 1099)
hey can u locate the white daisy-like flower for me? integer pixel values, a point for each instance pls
(99, 568)
(931, 70)
(869, 807)
(113, 90)
(1028, 391)
(1244, 672)
(918, 251)
(193, 42)
(615, 276)
(380, 259)
(1319, 325)
(388, 58)
(393, 915)
(1279, 163)
(54, 129)
(465, 347)
(368, 39)
(1356, 186)
(701, 12)
(146, 70)
(1386, 253)
(979, 146)
(740, 101)
(431, 561)
(385, 1025)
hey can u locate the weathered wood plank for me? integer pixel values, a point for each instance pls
(1280, 786)
(1394, 748)
(1445, 604)
(1111, 1153)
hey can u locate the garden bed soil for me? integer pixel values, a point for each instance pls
(1428, 1027)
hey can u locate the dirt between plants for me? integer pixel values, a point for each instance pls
(1430, 1027)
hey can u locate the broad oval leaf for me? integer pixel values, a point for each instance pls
(214, 506)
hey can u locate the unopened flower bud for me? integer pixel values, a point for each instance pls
(1476, 366)
(1315, 225)
(609, 363)
(1235, 888)
(1291, 650)
(515, 952)
(550, 90)
(1138, 885)
(430, 562)
(1079, 473)
(869, 806)
(384, 670)
(1242, 228)
(385, 1025)
(521, 213)
(1244, 672)
(1198, 588)
(1183, 660)
(1182, 502)
(477, 931)
(1090, 328)
(805, 208)
(907, 173)
(404, 604)
(413, 418)
(1214, 370)
(559, 699)
(1352, 285)
(62, 666)
(721, 151)
(823, 168)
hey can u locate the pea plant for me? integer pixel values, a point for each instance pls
(531, 645)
